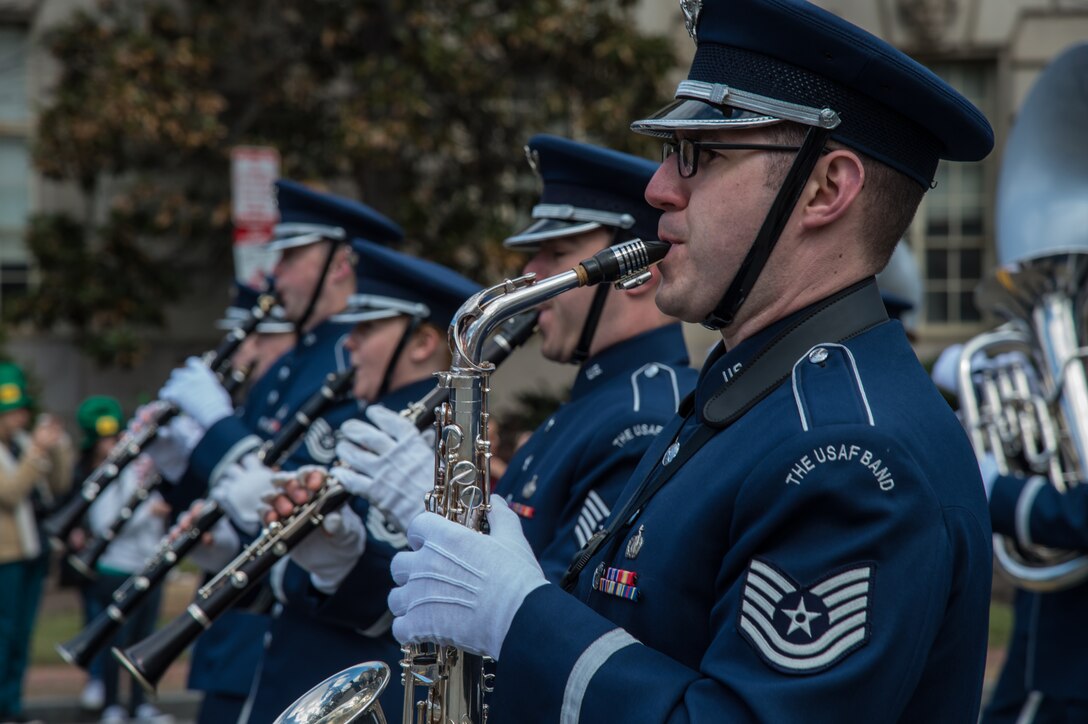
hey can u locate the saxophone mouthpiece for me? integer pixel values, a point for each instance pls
(621, 261)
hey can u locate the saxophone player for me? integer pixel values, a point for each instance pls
(632, 365)
(807, 540)
(334, 588)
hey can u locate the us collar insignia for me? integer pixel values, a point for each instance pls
(799, 629)
(635, 544)
(691, 10)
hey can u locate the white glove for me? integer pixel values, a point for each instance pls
(987, 468)
(241, 490)
(945, 372)
(225, 545)
(196, 390)
(330, 552)
(171, 448)
(389, 463)
(460, 588)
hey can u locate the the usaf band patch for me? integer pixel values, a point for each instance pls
(803, 630)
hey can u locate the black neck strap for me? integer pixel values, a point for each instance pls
(300, 325)
(581, 350)
(837, 318)
(760, 251)
(593, 316)
(387, 378)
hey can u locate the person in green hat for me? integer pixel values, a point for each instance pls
(35, 467)
(100, 420)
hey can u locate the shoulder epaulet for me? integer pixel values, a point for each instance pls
(828, 388)
(654, 376)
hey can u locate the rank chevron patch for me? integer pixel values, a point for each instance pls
(803, 630)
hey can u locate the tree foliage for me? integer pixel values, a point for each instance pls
(421, 107)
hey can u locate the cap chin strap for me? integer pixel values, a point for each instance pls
(300, 325)
(593, 316)
(387, 378)
(752, 266)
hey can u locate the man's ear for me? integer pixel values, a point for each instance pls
(832, 188)
(426, 342)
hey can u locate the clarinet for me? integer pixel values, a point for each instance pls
(82, 648)
(147, 660)
(61, 523)
(86, 558)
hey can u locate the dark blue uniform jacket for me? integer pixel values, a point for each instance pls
(564, 481)
(226, 656)
(825, 558)
(1055, 651)
(314, 635)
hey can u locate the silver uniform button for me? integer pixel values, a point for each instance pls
(285, 372)
(817, 356)
(652, 371)
(309, 339)
(273, 397)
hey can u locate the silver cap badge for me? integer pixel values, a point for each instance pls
(691, 10)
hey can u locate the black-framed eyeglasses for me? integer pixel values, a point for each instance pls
(687, 152)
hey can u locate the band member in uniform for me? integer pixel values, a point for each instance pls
(633, 367)
(36, 463)
(314, 278)
(335, 587)
(808, 539)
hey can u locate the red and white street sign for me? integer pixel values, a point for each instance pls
(253, 170)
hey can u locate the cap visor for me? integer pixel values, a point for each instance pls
(686, 114)
(365, 314)
(545, 229)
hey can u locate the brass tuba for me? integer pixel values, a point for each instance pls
(455, 680)
(1023, 387)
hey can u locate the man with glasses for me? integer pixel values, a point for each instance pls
(808, 540)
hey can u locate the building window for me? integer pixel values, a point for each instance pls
(15, 173)
(952, 233)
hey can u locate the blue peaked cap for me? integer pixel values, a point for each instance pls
(308, 216)
(586, 187)
(890, 107)
(390, 283)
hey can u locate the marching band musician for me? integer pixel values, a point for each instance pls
(314, 278)
(808, 539)
(133, 544)
(633, 367)
(334, 590)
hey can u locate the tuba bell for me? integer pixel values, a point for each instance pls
(1024, 387)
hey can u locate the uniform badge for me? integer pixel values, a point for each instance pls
(616, 582)
(525, 511)
(671, 453)
(805, 629)
(594, 512)
(691, 10)
(634, 545)
(321, 442)
(378, 527)
(529, 488)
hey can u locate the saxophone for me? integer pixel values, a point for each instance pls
(455, 680)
